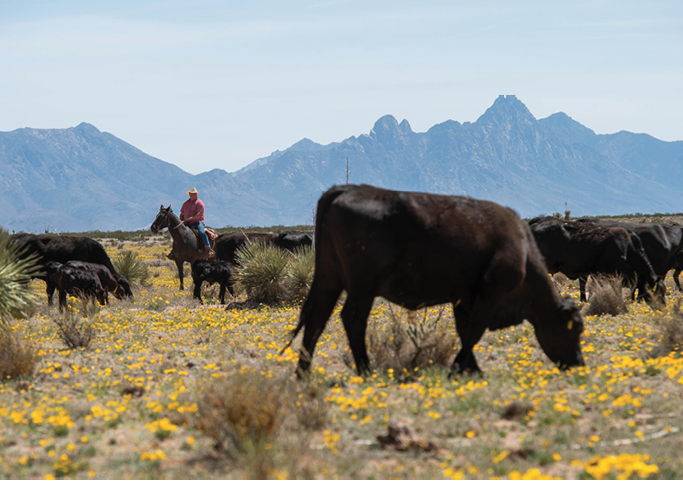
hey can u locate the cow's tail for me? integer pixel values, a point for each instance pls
(323, 205)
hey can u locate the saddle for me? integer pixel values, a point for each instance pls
(210, 232)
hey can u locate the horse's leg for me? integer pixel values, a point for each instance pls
(179, 264)
(582, 288)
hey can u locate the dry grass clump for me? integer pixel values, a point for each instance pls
(670, 329)
(74, 330)
(261, 423)
(241, 411)
(17, 356)
(605, 296)
(301, 270)
(133, 269)
(411, 342)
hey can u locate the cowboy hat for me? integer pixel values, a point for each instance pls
(192, 191)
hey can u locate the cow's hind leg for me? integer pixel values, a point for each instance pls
(315, 313)
(677, 273)
(198, 290)
(222, 292)
(50, 292)
(355, 317)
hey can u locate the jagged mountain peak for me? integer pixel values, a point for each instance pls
(388, 130)
(506, 110)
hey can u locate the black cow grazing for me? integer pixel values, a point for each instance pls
(73, 281)
(107, 280)
(293, 240)
(63, 249)
(419, 250)
(663, 244)
(228, 244)
(578, 249)
(212, 272)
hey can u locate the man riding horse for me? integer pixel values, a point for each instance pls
(192, 213)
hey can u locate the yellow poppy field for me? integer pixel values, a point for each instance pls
(172, 389)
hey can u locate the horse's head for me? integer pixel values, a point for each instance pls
(161, 221)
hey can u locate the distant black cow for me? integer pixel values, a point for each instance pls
(63, 249)
(212, 272)
(293, 240)
(663, 244)
(73, 281)
(228, 244)
(578, 249)
(419, 250)
(107, 280)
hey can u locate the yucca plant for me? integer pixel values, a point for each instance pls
(16, 298)
(263, 272)
(301, 270)
(133, 269)
(17, 357)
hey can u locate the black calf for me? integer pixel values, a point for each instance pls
(212, 272)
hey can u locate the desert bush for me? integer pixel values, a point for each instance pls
(263, 272)
(16, 298)
(241, 410)
(73, 329)
(605, 296)
(17, 355)
(311, 407)
(133, 269)
(301, 270)
(410, 341)
(669, 332)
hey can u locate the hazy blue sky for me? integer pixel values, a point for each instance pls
(207, 84)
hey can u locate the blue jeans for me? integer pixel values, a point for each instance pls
(202, 233)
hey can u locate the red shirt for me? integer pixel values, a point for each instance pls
(190, 208)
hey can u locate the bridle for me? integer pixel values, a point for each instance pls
(164, 223)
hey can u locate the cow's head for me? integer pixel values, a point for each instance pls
(559, 334)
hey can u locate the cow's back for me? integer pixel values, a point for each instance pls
(417, 246)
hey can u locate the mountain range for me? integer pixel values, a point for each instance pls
(81, 179)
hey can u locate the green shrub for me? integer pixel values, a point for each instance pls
(264, 271)
(16, 298)
(134, 270)
(301, 270)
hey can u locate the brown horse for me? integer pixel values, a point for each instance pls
(185, 242)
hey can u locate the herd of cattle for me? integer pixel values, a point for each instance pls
(418, 250)
(80, 266)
